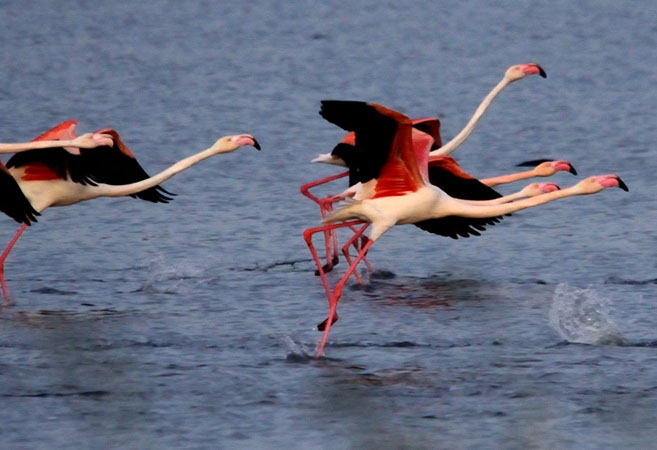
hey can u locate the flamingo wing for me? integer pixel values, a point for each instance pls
(49, 163)
(384, 146)
(445, 173)
(431, 126)
(118, 165)
(12, 201)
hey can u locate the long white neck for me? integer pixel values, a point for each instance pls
(107, 190)
(503, 179)
(459, 208)
(25, 146)
(500, 200)
(465, 132)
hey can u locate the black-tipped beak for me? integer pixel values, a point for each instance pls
(572, 170)
(541, 72)
(256, 144)
(622, 185)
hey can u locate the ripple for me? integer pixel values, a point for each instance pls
(59, 394)
(618, 280)
(53, 291)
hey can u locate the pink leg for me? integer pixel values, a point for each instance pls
(358, 245)
(330, 237)
(353, 241)
(308, 237)
(331, 258)
(3, 257)
(333, 301)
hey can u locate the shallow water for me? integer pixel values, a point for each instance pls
(186, 325)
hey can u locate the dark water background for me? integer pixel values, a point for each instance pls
(183, 325)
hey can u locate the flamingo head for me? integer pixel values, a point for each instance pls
(341, 155)
(515, 73)
(548, 168)
(229, 143)
(597, 183)
(92, 140)
(329, 158)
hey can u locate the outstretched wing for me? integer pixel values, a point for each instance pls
(118, 165)
(445, 173)
(57, 162)
(384, 147)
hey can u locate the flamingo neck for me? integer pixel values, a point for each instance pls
(25, 146)
(503, 179)
(499, 200)
(463, 209)
(107, 190)
(467, 130)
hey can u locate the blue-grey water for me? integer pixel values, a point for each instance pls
(184, 325)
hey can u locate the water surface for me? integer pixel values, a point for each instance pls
(184, 325)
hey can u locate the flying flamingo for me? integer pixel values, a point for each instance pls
(40, 178)
(513, 73)
(445, 173)
(399, 191)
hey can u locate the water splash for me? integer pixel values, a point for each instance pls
(582, 316)
(163, 277)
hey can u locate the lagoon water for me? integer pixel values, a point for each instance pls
(186, 325)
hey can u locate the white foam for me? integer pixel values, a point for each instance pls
(582, 316)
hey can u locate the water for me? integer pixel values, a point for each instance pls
(185, 325)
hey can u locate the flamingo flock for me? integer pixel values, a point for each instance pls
(398, 172)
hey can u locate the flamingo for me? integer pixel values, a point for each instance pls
(445, 173)
(38, 179)
(512, 74)
(398, 190)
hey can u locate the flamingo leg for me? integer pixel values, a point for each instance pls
(330, 237)
(359, 244)
(324, 206)
(353, 240)
(335, 297)
(3, 257)
(308, 237)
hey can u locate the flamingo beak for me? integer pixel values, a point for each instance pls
(256, 144)
(533, 69)
(622, 185)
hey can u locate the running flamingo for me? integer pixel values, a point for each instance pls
(398, 191)
(38, 179)
(342, 151)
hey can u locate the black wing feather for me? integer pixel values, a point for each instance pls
(12, 200)
(60, 161)
(109, 165)
(374, 134)
(466, 189)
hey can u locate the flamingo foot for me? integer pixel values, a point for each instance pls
(322, 326)
(363, 241)
(328, 266)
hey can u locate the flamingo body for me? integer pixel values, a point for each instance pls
(39, 178)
